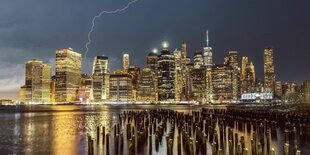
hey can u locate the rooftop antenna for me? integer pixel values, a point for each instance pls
(207, 37)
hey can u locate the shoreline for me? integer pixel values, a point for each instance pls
(105, 107)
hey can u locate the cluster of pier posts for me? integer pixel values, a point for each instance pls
(217, 132)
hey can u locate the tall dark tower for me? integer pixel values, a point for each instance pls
(166, 73)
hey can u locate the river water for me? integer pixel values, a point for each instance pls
(64, 130)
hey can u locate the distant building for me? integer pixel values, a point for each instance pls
(166, 73)
(232, 60)
(38, 83)
(84, 91)
(152, 63)
(290, 92)
(207, 54)
(53, 89)
(257, 97)
(198, 79)
(248, 82)
(269, 73)
(208, 62)
(185, 60)
(146, 89)
(135, 72)
(178, 77)
(222, 83)
(278, 89)
(6, 102)
(100, 79)
(120, 87)
(126, 62)
(68, 75)
(306, 91)
(245, 62)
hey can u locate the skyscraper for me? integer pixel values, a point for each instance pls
(278, 89)
(185, 72)
(38, 83)
(120, 87)
(232, 60)
(100, 79)
(207, 54)
(152, 63)
(178, 79)
(306, 91)
(208, 62)
(146, 90)
(198, 60)
(84, 91)
(135, 72)
(245, 61)
(166, 73)
(68, 75)
(222, 83)
(198, 83)
(269, 74)
(248, 82)
(126, 62)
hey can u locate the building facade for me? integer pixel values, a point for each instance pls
(166, 76)
(126, 62)
(222, 83)
(269, 74)
(121, 87)
(100, 79)
(37, 83)
(146, 89)
(68, 75)
(208, 62)
(135, 72)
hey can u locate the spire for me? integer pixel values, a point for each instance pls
(207, 38)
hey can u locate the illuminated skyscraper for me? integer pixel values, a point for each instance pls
(68, 75)
(306, 91)
(289, 92)
(269, 74)
(208, 62)
(166, 75)
(121, 87)
(100, 79)
(53, 89)
(126, 62)
(278, 89)
(245, 62)
(252, 68)
(248, 82)
(232, 60)
(222, 83)
(152, 63)
(198, 60)
(185, 72)
(38, 83)
(207, 54)
(135, 72)
(178, 79)
(146, 90)
(198, 83)
(84, 91)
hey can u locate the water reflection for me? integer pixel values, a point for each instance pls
(66, 132)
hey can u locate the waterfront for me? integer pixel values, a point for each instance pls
(65, 129)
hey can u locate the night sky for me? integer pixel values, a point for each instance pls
(36, 28)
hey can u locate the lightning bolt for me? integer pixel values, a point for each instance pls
(98, 16)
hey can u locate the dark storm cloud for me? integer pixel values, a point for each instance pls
(36, 28)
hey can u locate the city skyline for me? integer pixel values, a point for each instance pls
(241, 37)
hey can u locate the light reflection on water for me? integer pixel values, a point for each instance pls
(63, 130)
